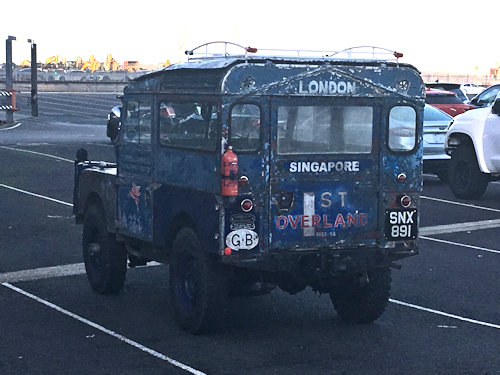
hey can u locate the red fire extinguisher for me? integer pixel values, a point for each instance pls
(229, 173)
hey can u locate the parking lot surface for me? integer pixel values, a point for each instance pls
(443, 316)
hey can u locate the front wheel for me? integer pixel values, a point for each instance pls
(198, 286)
(105, 258)
(465, 178)
(362, 300)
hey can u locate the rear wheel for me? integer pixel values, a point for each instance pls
(362, 300)
(465, 178)
(105, 258)
(198, 287)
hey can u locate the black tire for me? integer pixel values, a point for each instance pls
(105, 258)
(198, 287)
(465, 178)
(364, 301)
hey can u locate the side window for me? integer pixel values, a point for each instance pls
(144, 123)
(402, 128)
(488, 97)
(131, 122)
(189, 124)
(137, 122)
(244, 134)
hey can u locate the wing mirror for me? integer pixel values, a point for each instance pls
(495, 108)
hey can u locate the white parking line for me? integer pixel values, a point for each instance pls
(36, 153)
(468, 320)
(50, 272)
(459, 227)
(460, 244)
(106, 331)
(460, 203)
(43, 273)
(12, 127)
(36, 195)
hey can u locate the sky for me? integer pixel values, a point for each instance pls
(435, 36)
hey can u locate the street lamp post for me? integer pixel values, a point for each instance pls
(8, 72)
(34, 80)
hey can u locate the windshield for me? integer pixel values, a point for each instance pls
(324, 129)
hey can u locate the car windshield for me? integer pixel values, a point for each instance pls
(433, 114)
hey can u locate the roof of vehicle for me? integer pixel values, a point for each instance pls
(214, 76)
(243, 73)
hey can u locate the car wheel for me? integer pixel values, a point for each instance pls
(465, 178)
(198, 291)
(362, 300)
(105, 258)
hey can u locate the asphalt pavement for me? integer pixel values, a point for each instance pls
(443, 316)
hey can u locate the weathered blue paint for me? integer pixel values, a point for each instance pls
(339, 202)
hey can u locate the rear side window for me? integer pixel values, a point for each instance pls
(402, 128)
(433, 114)
(442, 99)
(188, 125)
(244, 133)
(137, 122)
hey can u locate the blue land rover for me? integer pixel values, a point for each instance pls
(254, 171)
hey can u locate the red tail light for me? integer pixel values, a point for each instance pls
(246, 205)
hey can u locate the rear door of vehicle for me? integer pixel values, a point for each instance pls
(324, 173)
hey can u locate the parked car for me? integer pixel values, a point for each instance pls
(77, 75)
(436, 124)
(453, 87)
(446, 101)
(471, 89)
(56, 75)
(473, 143)
(486, 98)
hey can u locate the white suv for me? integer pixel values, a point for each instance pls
(473, 141)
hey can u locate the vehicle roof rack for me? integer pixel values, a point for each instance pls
(219, 49)
(224, 50)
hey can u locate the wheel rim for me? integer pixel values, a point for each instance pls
(187, 283)
(95, 254)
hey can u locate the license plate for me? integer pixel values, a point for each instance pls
(401, 224)
(434, 138)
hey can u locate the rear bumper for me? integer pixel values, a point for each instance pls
(334, 262)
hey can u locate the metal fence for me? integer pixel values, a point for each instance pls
(481, 80)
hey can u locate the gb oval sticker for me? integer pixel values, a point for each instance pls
(242, 239)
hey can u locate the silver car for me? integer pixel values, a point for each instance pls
(436, 123)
